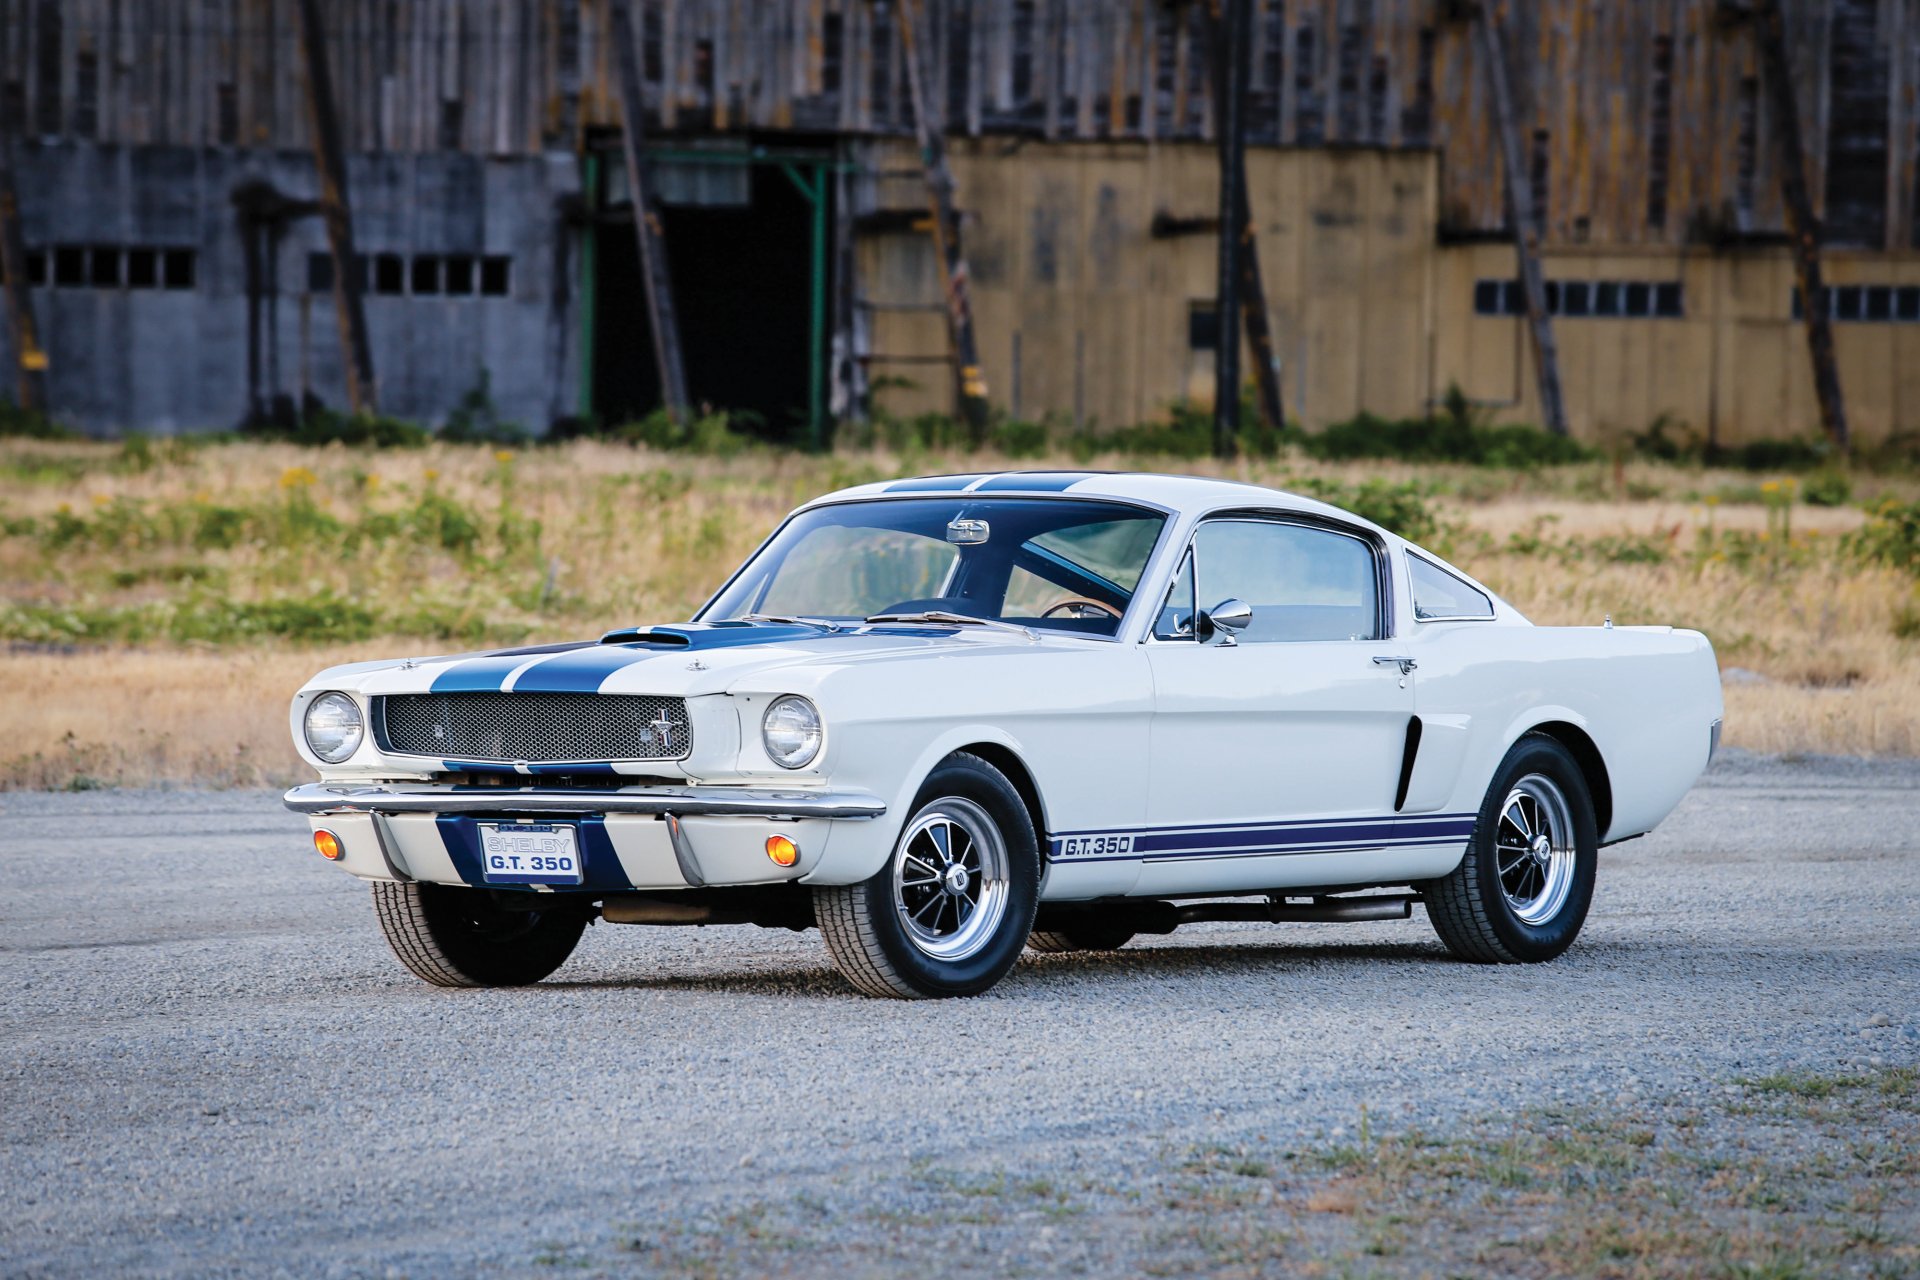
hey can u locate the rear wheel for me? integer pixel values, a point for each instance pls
(454, 936)
(948, 913)
(1522, 892)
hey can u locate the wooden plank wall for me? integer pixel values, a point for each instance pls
(1647, 126)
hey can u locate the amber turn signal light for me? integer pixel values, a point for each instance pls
(783, 851)
(329, 845)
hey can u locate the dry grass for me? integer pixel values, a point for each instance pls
(569, 541)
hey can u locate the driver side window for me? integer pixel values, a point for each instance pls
(1303, 582)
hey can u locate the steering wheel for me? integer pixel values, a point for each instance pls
(1080, 604)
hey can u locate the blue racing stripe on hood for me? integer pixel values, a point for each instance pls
(1035, 482)
(585, 670)
(477, 675)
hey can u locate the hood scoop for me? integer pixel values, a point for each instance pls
(646, 635)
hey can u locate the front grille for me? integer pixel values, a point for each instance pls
(533, 728)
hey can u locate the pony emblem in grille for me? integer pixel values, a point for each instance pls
(534, 728)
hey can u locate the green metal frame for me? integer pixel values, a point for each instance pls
(808, 171)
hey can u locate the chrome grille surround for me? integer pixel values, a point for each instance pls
(533, 728)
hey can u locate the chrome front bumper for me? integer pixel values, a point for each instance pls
(683, 802)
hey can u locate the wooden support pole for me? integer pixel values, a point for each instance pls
(30, 359)
(1230, 128)
(329, 159)
(1253, 294)
(1802, 228)
(647, 225)
(970, 384)
(1490, 48)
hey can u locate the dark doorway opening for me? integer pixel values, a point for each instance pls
(743, 286)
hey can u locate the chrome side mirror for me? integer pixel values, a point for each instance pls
(1225, 619)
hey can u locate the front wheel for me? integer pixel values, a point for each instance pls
(1521, 893)
(949, 912)
(460, 937)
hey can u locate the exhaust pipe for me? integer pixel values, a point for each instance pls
(654, 911)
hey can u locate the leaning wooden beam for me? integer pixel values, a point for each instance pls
(647, 226)
(1802, 228)
(330, 160)
(1230, 47)
(30, 360)
(970, 384)
(1253, 295)
(1490, 49)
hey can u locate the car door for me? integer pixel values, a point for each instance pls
(1281, 741)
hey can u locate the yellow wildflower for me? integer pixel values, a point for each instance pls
(373, 482)
(1771, 486)
(432, 475)
(1713, 499)
(298, 478)
(503, 456)
(101, 499)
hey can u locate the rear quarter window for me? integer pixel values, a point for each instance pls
(1438, 594)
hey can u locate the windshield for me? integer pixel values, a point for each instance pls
(1063, 564)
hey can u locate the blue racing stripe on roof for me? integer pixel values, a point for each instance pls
(1035, 482)
(933, 484)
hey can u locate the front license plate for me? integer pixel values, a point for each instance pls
(529, 853)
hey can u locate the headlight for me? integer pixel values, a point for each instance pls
(791, 730)
(333, 727)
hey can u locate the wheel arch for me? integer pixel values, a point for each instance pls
(1008, 761)
(1593, 767)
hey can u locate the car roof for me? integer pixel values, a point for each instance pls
(1184, 494)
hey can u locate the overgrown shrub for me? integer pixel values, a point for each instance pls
(1458, 433)
(476, 419)
(1891, 536)
(1400, 508)
(1829, 488)
(30, 423)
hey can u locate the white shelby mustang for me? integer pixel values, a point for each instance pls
(948, 718)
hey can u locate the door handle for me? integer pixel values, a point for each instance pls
(1405, 664)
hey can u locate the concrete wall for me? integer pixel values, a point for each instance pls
(171, 360)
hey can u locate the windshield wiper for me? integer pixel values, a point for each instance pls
(942, 616)
(788, 619)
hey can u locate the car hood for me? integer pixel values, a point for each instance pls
(684, 659)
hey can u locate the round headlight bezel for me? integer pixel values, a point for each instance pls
(811, 740)
(352, 728)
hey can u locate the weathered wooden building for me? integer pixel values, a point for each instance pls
(180, 279)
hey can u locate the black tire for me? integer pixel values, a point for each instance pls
(1474, 911)
(863, 923)
(1081, 935)
(460, 937)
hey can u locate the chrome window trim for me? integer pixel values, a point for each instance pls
(1169, 518)
(1493, 610)
(1383, 611)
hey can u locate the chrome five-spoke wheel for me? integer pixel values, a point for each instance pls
(1536, 849)
(1521, 890)
(949, 910)
(950, 879)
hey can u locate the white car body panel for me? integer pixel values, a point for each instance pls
(1158, 768)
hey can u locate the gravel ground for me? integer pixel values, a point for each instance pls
(213, 1066)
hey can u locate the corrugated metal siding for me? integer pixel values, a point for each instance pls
(1644, 115)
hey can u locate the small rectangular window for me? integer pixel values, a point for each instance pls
(1576, 298)
(319, 273)
(1879, 302)
(1553, 297)
(69, 265)
(143, 268)
(389, 273)
(36, 266)
(426, 275)
(1639, 299)
(1513, 298)
(495, 277)
(1906, 302)
(1438, 594)
(1668, 300)
(103, 266)
(458, 276)
(177, 268)
(1203, 326)
(1486, 298)
(1607, 299)
(1848, 304)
